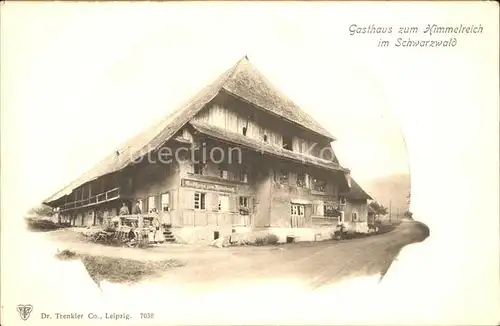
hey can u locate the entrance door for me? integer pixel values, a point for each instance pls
(297, 219)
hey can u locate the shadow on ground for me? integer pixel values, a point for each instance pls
(317, 264)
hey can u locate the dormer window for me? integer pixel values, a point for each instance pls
(319, 184)
(301, 179)
(281, 177)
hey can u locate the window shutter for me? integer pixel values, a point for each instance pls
(187, 199)
(213, 202)
(158, 202)
(251, 202)
(320, 209)
(233, 203)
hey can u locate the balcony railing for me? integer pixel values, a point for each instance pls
(93, 200)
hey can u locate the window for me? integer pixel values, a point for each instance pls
(165, 202)
(319, 185)
(224, 174)
(342, 200)
(329, 210)
(199, 200)
(301, 179)
(223, 203)
(287, 142)
(152, 204)
(243, 201)
(354, 216)
(281, 177)
(244, 131)
(243, 176)
(244, 205)
(297, 210)
(198, 168)
(265, 138)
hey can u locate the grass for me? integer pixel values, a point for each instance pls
(120, 270)
(385, 228)
(41, 225)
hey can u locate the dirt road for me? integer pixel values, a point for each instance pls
(317, 264)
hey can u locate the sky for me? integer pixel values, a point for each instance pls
(76, 91)
(78, 79)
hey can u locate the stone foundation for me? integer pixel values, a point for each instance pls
(206, 234)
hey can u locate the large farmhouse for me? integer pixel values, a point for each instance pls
(239, 154)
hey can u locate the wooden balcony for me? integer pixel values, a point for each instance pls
(107, 196)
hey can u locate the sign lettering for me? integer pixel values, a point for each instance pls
(208, 186)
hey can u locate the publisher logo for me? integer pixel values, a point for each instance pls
(24, 311)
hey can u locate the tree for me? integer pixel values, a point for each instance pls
(378, 208)
(408, 215)
(42, 210)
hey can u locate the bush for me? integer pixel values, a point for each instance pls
(66, 254)
(260, 241)
(41, 225)
(272, 239)
(340, 232)
(268, 239)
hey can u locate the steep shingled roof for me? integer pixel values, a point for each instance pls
(241, 80)
(249, 84)
(356, 192)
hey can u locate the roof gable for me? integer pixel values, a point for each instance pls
(356, 192)
(241, 80)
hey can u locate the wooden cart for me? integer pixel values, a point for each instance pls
(139, 228)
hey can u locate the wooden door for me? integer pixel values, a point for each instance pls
(297, 217)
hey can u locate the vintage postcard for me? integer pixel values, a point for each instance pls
(227, 163)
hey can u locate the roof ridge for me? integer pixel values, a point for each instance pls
(311, 123)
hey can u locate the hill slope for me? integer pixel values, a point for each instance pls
(391, 190)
